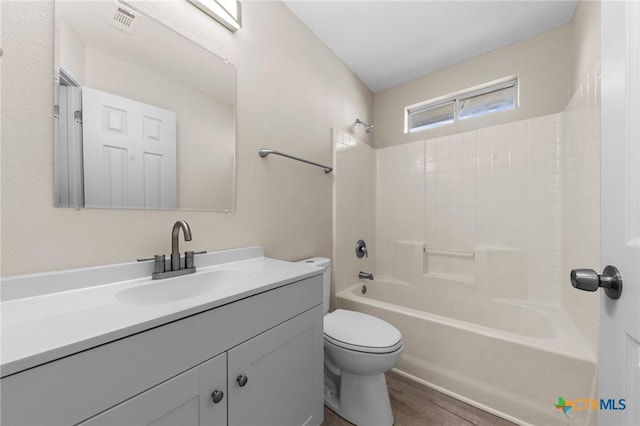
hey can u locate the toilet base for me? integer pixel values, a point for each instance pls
(361, 399)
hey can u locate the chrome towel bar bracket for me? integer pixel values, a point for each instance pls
(264, 152)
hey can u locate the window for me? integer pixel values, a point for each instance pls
(431, 115)
(496, 96)
(226, 12)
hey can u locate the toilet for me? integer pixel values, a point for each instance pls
(358, 350)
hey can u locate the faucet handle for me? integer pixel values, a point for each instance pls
(361, 249)
(188, 259)
(159, 263)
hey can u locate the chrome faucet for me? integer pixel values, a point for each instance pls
(365, 276)
(174, 268)
(175, 250)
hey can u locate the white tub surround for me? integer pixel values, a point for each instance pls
(475, 230)
(85, 341)
(354, 208)
(512, 358)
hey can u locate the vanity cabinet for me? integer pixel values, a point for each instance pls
(185, 400)
(264, 353)
(270, 382)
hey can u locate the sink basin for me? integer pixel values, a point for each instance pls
(183, 287)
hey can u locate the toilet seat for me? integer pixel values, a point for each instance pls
(361, 332)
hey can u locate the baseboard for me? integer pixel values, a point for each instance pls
(462, 398)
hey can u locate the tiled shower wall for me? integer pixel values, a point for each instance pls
(399, 209)
(485, 207)
(508, 210)
(581, 196)
(354, 209)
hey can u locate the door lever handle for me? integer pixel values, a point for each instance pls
(589, 280)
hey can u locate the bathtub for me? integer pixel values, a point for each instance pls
(512, 358)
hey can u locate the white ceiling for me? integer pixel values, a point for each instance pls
(389, 42)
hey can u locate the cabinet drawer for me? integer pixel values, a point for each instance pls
(72, 389)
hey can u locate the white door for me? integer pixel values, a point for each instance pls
(129, 151)
(619, 358)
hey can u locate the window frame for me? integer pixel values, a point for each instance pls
(456, 98)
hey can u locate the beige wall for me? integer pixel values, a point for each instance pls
(291, 91)
(72, 57)
(542, 64)
(586, 42)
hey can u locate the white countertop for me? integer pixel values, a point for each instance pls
(42, 327)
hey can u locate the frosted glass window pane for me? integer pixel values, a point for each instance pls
(226, 12)
(485, 103)
(423, 118)
(231, 6)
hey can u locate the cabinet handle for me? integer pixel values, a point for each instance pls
(242, 380)
(217, 396)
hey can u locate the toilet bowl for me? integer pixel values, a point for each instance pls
(358, 349)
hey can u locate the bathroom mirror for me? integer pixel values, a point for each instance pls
(143, 117)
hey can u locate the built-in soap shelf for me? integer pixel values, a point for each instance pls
(449, 277)
(436, 252)
(413, 260)
(448, 264)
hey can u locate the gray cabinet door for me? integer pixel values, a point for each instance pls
(183, 400)
(275, 379)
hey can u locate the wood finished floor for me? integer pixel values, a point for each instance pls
(414, 404)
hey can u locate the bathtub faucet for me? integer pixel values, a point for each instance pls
(365, 276)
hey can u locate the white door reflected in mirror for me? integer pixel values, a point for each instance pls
(129, 151)
(158, 69)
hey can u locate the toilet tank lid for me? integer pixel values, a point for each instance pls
(321, 262)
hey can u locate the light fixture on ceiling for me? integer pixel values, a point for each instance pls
(226, 12)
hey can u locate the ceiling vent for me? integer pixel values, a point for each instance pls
(125, 17)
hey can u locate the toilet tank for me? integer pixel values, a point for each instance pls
(325, 263)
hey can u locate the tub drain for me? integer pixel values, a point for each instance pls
(364, 289)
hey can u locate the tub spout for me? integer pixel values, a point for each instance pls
(365, 276)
